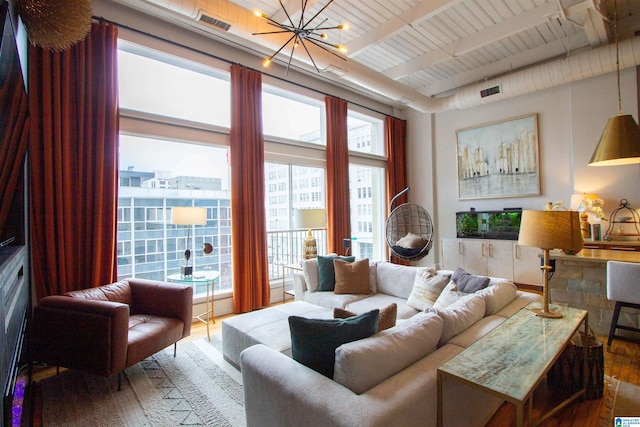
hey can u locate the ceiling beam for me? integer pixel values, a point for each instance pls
(412, 16)
(592, 21)
(515, 25)
(294, 8)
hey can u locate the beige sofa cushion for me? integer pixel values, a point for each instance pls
(427, 287)
(362, 364)
(460, 315)
(497, 296)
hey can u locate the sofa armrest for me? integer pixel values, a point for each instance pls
(278, 391)
(83, 334)
(163, 299)
(299, 286)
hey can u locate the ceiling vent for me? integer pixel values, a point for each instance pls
(494, 90)
(208, 19)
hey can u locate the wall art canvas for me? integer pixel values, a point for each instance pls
(499, 159)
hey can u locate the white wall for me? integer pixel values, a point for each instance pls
(570, 121)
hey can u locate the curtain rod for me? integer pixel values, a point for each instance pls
(102, 19)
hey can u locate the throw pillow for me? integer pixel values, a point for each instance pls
(468, 283)
(449, 295)
(352, 277)
(427, 287)
(314, 341)
(311, 274)
(411, 241)
(362, 364)
(459, 316)
(327, 273)
(386, 320)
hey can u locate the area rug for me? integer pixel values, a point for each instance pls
(196, 388)
(621, 399)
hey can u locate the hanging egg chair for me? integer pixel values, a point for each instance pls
(409, 230)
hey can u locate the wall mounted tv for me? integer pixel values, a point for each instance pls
(13, 124)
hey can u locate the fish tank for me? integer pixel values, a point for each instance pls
(504, 224)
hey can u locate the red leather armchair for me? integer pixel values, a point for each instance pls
(106, 329)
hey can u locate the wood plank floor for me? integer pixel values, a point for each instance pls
(622, 362)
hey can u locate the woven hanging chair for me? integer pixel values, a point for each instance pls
(409, 230)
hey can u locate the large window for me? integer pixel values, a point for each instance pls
(292, 116)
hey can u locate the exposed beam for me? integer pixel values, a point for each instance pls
(593, 21)
(515, 25)
(412, 16)
(294, 8)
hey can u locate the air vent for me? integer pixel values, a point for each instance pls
(494, 90)
(213, 21)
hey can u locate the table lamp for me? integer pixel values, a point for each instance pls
(187, 215)
(550, 230)
(309, 218)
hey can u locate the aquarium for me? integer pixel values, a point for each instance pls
(504, 224)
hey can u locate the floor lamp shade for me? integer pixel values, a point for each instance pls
(550, 230)
(188, 215)
(309, 218)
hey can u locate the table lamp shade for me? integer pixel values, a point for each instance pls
(309, 218)
(187, 215)
(551, 230)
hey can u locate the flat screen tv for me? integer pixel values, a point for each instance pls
(13, 124)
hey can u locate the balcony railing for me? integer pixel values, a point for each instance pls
(285, 247)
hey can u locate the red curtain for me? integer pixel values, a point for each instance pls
(396, 141)
(73, 98)
(338, 206)
(248, 223)
(14, 138)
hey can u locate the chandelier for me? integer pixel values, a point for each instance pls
(302, 32)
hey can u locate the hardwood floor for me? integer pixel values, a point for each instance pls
(623, 362)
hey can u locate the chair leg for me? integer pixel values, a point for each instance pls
(614, 324)
(175, 348)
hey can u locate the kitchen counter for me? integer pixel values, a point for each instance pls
(598, 255)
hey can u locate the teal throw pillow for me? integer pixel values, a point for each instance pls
(326, 272)
(314, 341)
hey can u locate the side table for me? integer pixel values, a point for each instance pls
(285, 267)
(207, 277)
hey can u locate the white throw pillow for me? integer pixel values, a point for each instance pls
(362, 364)
(427, 287)
(411, 241)
(497, 296)
(449, 295)
(459, 316)
(311, 274)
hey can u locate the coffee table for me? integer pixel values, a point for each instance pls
(512, 359)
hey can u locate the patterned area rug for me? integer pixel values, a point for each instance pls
(196, 388)
(621, 399)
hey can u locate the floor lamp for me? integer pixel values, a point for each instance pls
(550, 230)
(187, 215)
(310, 218)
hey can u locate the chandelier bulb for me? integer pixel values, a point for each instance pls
(266, 62)
(341, 48)
(343, 26)
(259, 13)
(323, 36)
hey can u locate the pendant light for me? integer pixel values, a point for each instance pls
(620, 140)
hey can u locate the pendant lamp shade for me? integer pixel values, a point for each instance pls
(619, 143)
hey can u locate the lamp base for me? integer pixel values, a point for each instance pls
(541, 312)
(186, 271)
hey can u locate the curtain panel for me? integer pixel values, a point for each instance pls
(73, 98)
(396, 142)
(248, 224)
(338, 203)
(13, 147)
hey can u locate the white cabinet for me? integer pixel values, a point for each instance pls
(495, 258)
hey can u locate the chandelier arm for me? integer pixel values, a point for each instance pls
(287, 13)
(309, 53)
(304, 8)
(324, 48)
(286, 73)
(273, 32)
(313, 39)
(283, 46)
(279, 25)
(318, 13)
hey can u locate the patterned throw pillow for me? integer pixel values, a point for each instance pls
(427, 287)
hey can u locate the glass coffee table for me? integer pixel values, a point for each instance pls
(512, 360)
(208, 277)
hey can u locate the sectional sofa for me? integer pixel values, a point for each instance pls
(387, 379)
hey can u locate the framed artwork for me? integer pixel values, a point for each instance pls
(499, 159)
